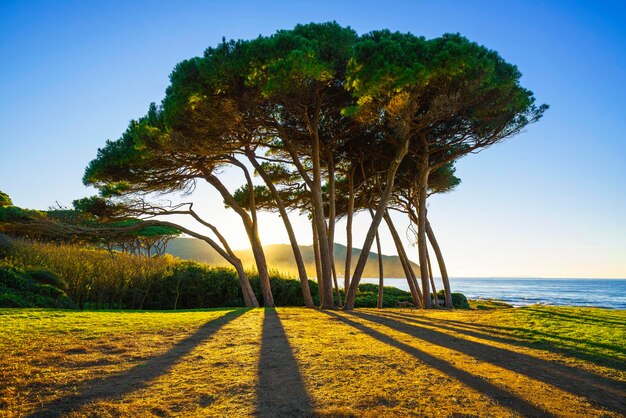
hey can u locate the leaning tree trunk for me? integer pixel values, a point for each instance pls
(261, 263)
(349, 216)
(432, 280)
(331, 221)
(251, 227)
(246, 289)
(297, 254)
(381, 275)
(318, 265)
(336, 285)
(421, 230)
(378, 216)
(324, 274)
(318, 218)
(404, 260)
(442, 265)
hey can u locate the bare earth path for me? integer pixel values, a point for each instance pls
(293, 362)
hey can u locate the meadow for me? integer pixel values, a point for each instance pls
(534, 361)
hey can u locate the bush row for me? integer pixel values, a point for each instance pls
(98, 279)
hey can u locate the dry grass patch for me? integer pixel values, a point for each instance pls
(49, 357)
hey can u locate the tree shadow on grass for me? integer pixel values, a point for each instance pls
(507, 335)
(499, 395)
(280, 391)
(580, 317)
(137, 377)
(602, 391)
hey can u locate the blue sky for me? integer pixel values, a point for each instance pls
(548, 203)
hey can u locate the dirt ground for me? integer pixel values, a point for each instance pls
(293, 362)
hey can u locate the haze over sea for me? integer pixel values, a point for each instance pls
(601, 293)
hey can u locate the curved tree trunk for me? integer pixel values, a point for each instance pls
(349, 216)
(320, 224)
(318, 265)
(442, 265)
(261, 263)
(381, 274)
(336, 285)
(323, 258)
(246, 289)
(252, 231)
(432, 280)
(416, 294)
(421, 230)
(297, 254)
(378, 216)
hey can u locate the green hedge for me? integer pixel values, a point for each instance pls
(20, 289)
(459, 301)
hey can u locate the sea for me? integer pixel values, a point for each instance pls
(601, 293)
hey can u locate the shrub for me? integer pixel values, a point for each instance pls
(19, 290)
(12, 300)
(367, 296)
(459, 301)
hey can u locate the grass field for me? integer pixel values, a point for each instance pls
(534, 361)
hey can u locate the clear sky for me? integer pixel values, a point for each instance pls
(550, 202)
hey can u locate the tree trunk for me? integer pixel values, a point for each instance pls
(348, 270)
(261, 264)
(177, 296)
(379, 303)
(332, 217)
(442, 265)
(404, 260)
(143, 299)
(318, 265)
(371, 233)
(421, 234)
(320, 223)
(246, 289)
(297, 254)
(336, 285)
(253, 235)
(432, 280)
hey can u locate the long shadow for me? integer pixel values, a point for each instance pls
(580, 318)
(137, 377)
(503, 330)
(280, 391)
(507, 331)
(503, 337)
(600, 390)
(499, 395)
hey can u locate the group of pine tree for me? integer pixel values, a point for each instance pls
(333, 123)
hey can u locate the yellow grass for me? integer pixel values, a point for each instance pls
(300, 362)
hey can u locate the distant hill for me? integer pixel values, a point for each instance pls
(280, 257)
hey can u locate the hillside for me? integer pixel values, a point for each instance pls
(280, 257)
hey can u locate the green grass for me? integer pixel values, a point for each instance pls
(598, 335)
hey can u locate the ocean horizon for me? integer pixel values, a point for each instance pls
(524, 291)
